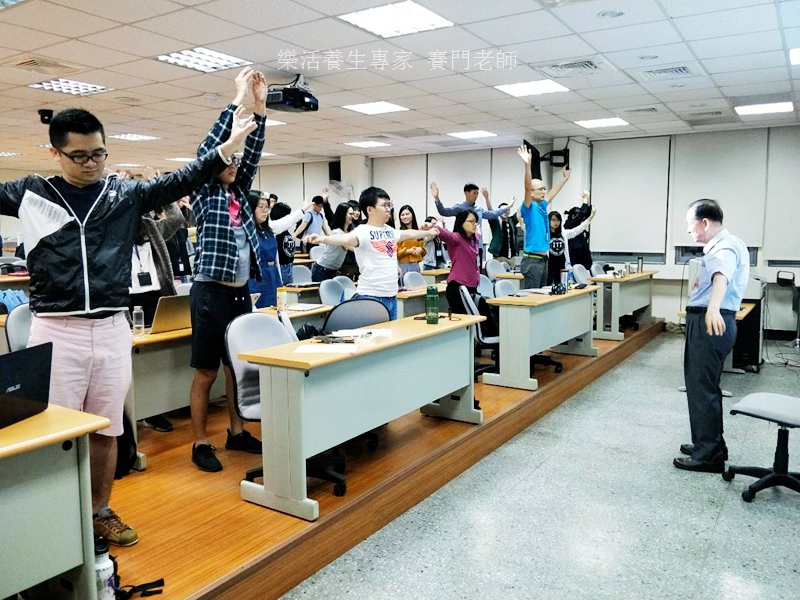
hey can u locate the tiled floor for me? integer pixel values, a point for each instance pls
(585, 503)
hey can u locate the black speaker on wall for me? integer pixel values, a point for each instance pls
(335, 171)
(536, 168)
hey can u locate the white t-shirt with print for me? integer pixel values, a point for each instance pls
(376, 255)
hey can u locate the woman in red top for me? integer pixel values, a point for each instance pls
(463, 246)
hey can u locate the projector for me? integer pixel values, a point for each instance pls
(296, 97)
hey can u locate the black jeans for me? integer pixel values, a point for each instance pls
(703, 359)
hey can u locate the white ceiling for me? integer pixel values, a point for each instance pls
(732, 48)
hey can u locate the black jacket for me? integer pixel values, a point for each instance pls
(78, 268)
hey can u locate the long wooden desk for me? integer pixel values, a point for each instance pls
(515, 278)
(12, 282)
(532, 323)
(619, 296)
(309, 403)
(435, 275)
(46, 503)
(412, 300)
(306, 294)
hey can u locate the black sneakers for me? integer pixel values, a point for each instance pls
(159, 423)
(204, 456)
(243, 442)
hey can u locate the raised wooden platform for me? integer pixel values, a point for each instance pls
(197, 533)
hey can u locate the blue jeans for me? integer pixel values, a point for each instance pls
(287, 276)
(389, 302)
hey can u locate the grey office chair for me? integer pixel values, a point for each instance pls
(316, 252)
(504, 287)
(358, 312)
(258, 330)
(18, 327)
(785, 412)
(331, 292)
(597, 269)
(485, 287)
(183, 289)
(494, 268)
(413, 279)
(8, 260)
(345, 282)
(482, 341)
(301, 274)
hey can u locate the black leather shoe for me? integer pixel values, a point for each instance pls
(688, 448)
(703, 466)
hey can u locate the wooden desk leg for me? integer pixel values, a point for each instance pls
(284, 487)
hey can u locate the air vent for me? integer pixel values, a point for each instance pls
(414, 133)
(42, 65)
(378, 137)
(760, 99)
(641, 111)
(665, 73)
(695, 122)
(574, 68)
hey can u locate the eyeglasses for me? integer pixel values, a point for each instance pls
(262, 206)
(82, 159)
(540, 189)
(235, 161)
(387, 205)
(470, 221)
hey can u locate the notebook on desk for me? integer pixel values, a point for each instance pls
(172, 313)
(24, 383)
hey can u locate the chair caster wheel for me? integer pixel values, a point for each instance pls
(340, 489)
(748, 496)
(559, 369)
(728, 475)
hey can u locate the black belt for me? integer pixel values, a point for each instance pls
(699, 310)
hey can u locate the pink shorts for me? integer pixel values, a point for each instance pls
(91, 364)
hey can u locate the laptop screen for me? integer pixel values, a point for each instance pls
(24, 383)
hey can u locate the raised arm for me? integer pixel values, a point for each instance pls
(416, 234)
(527, 157)
(553, 192)
(485, 192)
(339, 239)
(443, 210)
(571, 233)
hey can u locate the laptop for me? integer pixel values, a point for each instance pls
(172, 313)
(24, 383)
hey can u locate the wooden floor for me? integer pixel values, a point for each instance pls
(206, 542)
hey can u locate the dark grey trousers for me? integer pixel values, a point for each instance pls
(534, 271)
(703, 358)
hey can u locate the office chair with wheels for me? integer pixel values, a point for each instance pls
(504, 287)
(786, 279)
(580, 274)
(316, 252)
(785, 412)
(413, 279)
(485, 286)
(494, 268)
(331, 292)
(345, 282)
(183, 289)
(301, 274)
(358, 312)
(18, 327)
(482, 341)
(258, 330)
(598, 269)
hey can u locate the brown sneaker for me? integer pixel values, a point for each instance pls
(114, 530)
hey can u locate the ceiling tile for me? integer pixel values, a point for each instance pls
(773, 87)
(355, 79)
(681, 8)
(194, 28)
(615, 91)
(555, 50)
(325, 34)
(513, 29)
(628, 101)
(790, 13)
(632, 59)
(735, 45)
(23, 39)
(754, 76)
(56, 19)
(127, 11)
(447, 83)
(746, 62)
(254, 15)
(636, 36)
(449, 39)
(258, 48)
(133, 41)
(82, 53)
(582, 17)
(729, 22)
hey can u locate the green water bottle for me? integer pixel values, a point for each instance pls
(432, 305)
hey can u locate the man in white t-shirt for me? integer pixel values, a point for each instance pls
(375, 247)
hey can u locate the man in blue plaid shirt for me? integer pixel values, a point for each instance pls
(225, 259)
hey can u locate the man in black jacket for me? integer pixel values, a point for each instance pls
(579, 252)
(79, 230)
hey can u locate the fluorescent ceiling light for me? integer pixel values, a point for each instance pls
(272, 123)
(794, 56)
(134, 137)
(181, 159)
(7, 3)
(532, 88)
(375, 108)
(67, 86)
(392, 20)
(9, 154)
(598, 123)
(366, 144)
(203, 59)
(764, 109)
(471, 135)
(127, 165)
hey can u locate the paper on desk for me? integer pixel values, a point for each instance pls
(299, 306)
(359, 333)
(327, 349)
(543, 290)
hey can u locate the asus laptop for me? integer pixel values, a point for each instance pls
(172, 313)
(24, 383)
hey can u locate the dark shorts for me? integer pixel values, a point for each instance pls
(213, 306)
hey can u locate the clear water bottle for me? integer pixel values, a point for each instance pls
(138, 321)
(432, 305)
(103, 570)
(282, 296)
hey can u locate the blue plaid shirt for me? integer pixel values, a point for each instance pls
(216, 254)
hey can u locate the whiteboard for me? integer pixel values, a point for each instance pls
(727, 166)
(285, 181)
(451, 170)
(403, 178)
(630, 185)
(781, 237)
